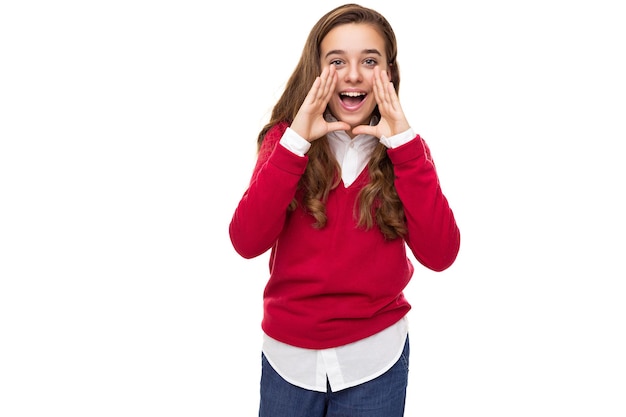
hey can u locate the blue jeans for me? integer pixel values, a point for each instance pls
(381, 397)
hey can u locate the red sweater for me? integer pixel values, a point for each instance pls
(339, 284)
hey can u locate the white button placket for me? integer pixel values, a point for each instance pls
(349, 168)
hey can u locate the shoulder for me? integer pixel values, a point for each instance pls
(271, 139)
(276, 132)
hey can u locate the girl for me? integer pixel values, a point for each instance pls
(341, 187)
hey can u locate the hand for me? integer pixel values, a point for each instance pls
(309, 121)
(392, 119)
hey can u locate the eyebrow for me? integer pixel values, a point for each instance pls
(342, 52)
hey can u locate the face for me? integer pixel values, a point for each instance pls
(354, 49)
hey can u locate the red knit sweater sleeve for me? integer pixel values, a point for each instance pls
(433, 235)
(260, 215)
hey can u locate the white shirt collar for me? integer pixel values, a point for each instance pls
(353, 154)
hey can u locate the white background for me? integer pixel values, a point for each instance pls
(128, 133)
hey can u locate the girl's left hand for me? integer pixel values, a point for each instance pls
(392, 119)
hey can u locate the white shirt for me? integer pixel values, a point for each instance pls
(355, 363)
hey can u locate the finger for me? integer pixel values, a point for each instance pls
(319, 91)
(315, 96)
(333, 126)
(313, 91)
(382, 94)
(330, 81)
(365, 130)
(390, 103)
(390, 90)
(379, 89)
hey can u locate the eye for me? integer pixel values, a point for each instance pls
(336, 62)
(370, 62)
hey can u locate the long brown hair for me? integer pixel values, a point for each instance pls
(378, 200)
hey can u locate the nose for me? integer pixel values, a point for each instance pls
(353, 74)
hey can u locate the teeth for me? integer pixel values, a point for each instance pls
(352, 94)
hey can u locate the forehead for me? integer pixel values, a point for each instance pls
(353, 38)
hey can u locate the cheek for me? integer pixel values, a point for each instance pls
(370, 108)
(333, 106)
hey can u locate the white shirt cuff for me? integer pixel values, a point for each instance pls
(294, 142)
(399, 139)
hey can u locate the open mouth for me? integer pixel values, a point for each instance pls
(352, 98)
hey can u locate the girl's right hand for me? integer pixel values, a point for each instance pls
(309, 121)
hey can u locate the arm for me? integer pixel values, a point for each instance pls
(261, 212)
(433, 235)
(260, 216)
